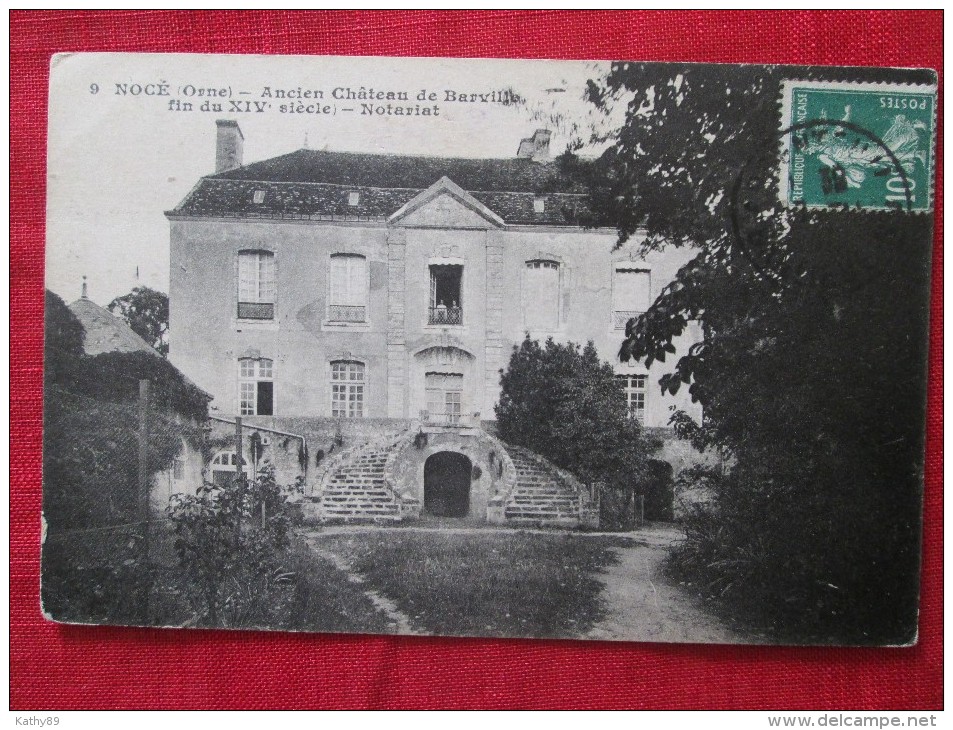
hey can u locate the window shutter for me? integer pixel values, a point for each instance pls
(357, 281)
(247, 277)
(338, 279)
(349, 281)
(631, 290)
(266, 278)
(542, 296)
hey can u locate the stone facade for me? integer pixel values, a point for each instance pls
(440, 282)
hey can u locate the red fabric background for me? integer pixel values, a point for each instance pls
(57, 667)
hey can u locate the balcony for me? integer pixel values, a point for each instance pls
(446, 315)
(620, 319)
(347, 313)
(450, 420)
(256, 310)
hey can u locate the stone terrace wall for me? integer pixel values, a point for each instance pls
(324, 438)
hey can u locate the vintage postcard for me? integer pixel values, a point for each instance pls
(537, 349)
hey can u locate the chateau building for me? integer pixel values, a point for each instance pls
(355, 310)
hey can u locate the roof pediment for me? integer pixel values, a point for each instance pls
(445, 205)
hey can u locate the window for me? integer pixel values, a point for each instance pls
(178, 469)
(224, 466)
(353, 198)
(259, 197)
(631, 289)
(347, 389)
(226, 460)
(444, 397)
(256, 285)
(634, 389)
(256, 387)
(539, 205)
(348, 288)
(446, 302)
(541, 296)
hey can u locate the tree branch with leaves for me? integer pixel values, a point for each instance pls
(811, 370)
(146, 311)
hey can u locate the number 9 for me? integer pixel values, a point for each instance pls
(94, 88)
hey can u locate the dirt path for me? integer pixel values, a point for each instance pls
(395, 617)
(642, 604)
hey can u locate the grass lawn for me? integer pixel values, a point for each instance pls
(324, 599)
(518, 584)
(320, 598)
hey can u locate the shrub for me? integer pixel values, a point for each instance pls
(232, 545)
(63, 343)
(115, 376)
(93, 567)
(563, 402)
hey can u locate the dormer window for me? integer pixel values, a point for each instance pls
(539, 205)
(353, 198)
(259, 197)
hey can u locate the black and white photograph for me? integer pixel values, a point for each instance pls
(503, 348)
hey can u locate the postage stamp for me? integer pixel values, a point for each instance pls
(857, 145)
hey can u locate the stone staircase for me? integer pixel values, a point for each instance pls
(354, 486)
(544, 494)
(359, 484)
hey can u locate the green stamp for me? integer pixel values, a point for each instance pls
(857, 145)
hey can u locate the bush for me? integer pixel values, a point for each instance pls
(618, 509)
(787, 561)
(115, 376)
(93, 561)
(90, 459)
(564, 403)
(63, 343)
(232, 545)
(95, 576)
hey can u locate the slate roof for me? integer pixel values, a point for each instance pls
(314, 184)
(106, 332)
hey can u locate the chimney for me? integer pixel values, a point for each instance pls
(228, 145)
(535, 148)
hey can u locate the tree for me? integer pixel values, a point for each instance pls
(146, 311)
(92, 554)
(811, 371)
(562, 402)
(63, 341)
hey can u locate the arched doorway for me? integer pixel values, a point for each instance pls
(447, 484)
